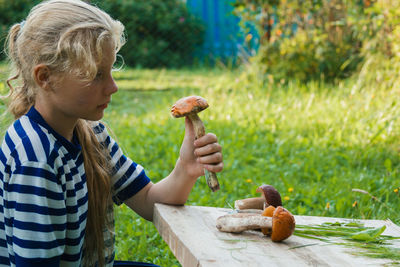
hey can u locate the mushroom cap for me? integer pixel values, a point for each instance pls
(271, 195)
(283, 224)
(268, 212)
(188, 105)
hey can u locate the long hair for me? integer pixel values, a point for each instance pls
(69, 37)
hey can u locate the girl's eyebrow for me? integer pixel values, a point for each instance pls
(106, 66)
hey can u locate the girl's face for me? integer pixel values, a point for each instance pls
(72, 99)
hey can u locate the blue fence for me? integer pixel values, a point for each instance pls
(224, 37)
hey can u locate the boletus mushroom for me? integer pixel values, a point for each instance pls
(268, 212)
(281, 225)
(269, 197)
(189, 107)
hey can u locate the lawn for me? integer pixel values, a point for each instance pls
(315, 143)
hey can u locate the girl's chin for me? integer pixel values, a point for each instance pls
(95, 117)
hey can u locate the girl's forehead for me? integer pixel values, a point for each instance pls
(109, 55)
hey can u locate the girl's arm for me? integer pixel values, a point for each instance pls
(195, 155)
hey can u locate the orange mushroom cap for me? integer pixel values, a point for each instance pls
(283, 224)
(268, 212)
(188, 105)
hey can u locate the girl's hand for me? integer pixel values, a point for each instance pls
(195, 155)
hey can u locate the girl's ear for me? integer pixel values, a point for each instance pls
(42, 76)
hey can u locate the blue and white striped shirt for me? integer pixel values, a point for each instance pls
(43, 192)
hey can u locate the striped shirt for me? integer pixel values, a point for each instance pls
(44, 196)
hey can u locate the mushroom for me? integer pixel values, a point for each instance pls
(250, 203)
(189, 107)
(281, 224)
(268, 212)
(270, 197)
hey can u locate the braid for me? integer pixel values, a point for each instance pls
(99, 186)
(21, 97)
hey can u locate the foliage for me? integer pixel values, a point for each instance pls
(320, 39)
(12, 12)
(380, 29)
(160, 33)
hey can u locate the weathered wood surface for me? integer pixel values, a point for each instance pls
(192, 236)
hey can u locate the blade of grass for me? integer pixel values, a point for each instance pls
(368, 240)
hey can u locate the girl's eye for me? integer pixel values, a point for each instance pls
(99, 75)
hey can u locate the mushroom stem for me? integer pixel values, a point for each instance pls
(256, 211)
(198, 125)
(269, 197)
(199, 130)
(239, 222)
(250, 203)
(212, 180)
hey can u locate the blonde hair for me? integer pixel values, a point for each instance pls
(68, 36)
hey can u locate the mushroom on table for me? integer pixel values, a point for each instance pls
(269, 197)
(189, 107)
(281, 225)
(269, 212)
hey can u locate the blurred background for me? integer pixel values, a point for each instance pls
(304, 40)
(171, 33)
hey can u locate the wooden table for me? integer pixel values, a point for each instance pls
(192, 236)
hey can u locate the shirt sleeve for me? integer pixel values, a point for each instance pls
(34, 215)
(128, 177)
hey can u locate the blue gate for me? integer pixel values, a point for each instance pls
(224, 37)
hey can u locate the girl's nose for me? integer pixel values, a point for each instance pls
(112, 86)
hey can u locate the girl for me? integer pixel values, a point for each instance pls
(60, 171)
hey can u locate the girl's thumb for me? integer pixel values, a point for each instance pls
(189, 130)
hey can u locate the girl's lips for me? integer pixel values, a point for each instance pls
(104, 106)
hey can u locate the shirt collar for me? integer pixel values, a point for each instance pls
(73, 147)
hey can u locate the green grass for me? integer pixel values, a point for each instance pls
(315, 143)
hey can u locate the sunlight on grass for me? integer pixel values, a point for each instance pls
(315, 143)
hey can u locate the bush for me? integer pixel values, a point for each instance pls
(379, 29)
(159, 33)
(305, 39)
(307, 55)
(12, 12)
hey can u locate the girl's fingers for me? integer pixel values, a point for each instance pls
(214, 168)
(208, 149)
(205, 140)
(209, 152)
(213, 159)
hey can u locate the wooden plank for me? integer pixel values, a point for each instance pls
(192, 236)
